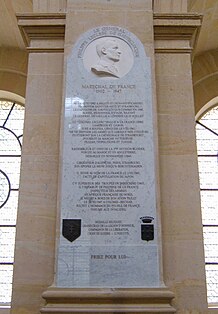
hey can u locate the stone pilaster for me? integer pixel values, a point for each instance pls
(36, 222)
(183, 257)
(137, 17)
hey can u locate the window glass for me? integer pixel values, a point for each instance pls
(207, 144)
(11, 130)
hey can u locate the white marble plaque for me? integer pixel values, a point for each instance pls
(108, 182)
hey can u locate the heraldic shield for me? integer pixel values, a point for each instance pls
(71, 229)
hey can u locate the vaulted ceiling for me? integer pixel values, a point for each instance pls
(208, 39)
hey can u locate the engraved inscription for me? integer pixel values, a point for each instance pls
(108, 174)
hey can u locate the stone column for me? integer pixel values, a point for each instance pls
(183, 256)
(137, 17)
(35, 238)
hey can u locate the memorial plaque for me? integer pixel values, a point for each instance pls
(108, 189)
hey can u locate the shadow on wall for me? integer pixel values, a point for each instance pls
(205, 78)
(13, 70)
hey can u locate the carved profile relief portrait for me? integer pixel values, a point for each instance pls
(109, 54)
(108, 57)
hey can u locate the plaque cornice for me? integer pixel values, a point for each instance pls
(42, 28)
(177, 28)
(107, 300)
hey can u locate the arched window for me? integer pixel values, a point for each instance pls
(11, 130)
(207, 145)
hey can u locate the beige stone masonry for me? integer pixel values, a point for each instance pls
(13, 68)
(37, 209)
(49, 6)
(170, 6)
(176, 32)
(205, 75)
(43, 32)
(183, 257)
(136, 16)
(107, 300)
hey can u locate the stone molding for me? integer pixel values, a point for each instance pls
(176, 33)
(173, 33)
(107, 300)
(42, 32)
